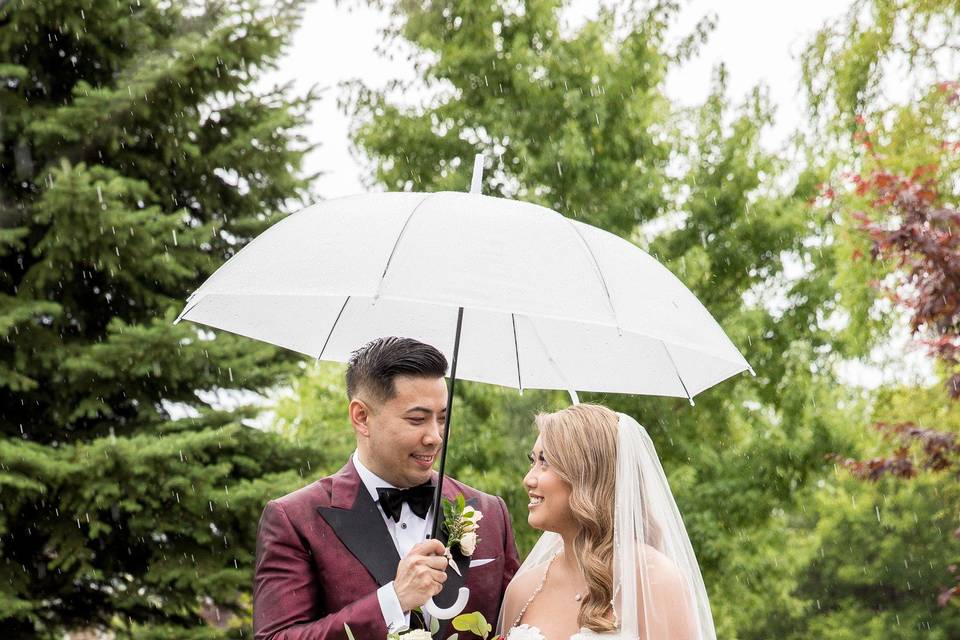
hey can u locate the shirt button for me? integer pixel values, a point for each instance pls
(403, 525)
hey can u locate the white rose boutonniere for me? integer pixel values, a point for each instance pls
(468, 543)
(462, 524)
(471, 517)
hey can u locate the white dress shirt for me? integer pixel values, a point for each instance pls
(410, 530)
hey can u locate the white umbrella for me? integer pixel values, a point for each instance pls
(548, 302)
(513, 293)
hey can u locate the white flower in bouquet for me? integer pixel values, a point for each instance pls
(416, 634)
(468, 543)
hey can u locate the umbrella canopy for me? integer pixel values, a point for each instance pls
(548, 302)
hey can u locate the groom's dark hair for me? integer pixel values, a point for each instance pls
(373, 366)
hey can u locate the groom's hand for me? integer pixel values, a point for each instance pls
(421, 574)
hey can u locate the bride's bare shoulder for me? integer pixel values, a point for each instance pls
(660, 568)
(669, 595)
(518, 593)
(524, 584)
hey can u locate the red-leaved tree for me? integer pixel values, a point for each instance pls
(911, 230)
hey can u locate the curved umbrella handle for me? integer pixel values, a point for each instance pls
(453, 610)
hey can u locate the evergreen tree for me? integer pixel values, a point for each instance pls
(135, 157)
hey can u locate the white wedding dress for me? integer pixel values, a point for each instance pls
(588, 634)
(525, 632)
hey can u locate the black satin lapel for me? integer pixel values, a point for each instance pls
(362, 530)
(451, 588)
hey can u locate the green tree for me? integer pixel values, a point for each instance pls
(892, 192)
(743, 459)
(135, 157)
(565, 118)
(845, 65)
(877, 555)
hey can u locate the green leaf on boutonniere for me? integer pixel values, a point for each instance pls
(434, 626)
(453, 514)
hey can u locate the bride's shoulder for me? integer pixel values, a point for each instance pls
(660, 569)
(653, 556)
(518, 593)
(525, 582)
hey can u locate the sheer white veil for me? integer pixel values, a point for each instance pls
(658, 590)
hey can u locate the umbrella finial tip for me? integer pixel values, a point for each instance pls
(477, 181)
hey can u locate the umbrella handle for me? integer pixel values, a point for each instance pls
(451, 611)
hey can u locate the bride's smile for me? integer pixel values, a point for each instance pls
(549, 506)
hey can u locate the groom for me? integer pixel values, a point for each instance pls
(354, 547)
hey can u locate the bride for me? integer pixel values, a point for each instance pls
(614, 560)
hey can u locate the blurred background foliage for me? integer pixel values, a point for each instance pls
(135, 455)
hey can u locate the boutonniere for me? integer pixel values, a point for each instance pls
(461, 522)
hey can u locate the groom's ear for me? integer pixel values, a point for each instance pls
(359, 415)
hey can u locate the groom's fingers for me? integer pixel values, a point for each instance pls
(421, 574)
(429, 548)
(433, 552)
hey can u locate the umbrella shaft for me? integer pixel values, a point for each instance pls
(437, 513)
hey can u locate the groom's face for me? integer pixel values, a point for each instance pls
(399, 439)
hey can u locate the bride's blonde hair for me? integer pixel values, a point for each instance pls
(580, 443)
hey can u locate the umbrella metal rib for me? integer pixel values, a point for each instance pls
(599, 272)
(574, 398)
(396, 244)
(516, 351)
(677, 371)
(332, 328)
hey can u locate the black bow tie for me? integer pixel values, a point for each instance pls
(419, 498)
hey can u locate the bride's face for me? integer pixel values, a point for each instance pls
(549, 507)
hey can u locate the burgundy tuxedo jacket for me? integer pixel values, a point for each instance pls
(324, 550)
